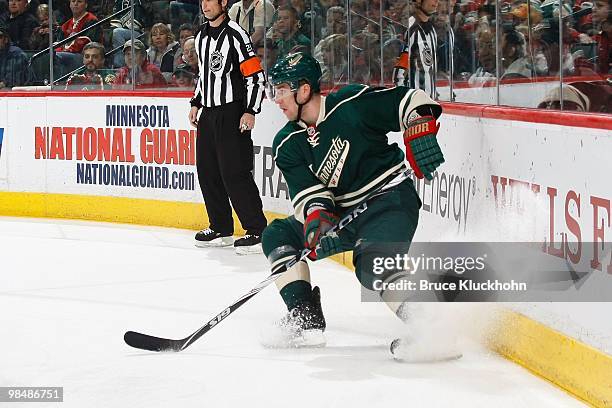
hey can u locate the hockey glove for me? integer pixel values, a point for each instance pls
(317, 224)
(422, 149)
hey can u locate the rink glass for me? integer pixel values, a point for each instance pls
(515, 53)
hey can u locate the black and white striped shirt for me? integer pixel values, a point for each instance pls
(417, 64)
(229, 69)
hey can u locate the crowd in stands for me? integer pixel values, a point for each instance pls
(360, 44)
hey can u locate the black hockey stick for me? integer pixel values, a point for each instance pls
(152, 343)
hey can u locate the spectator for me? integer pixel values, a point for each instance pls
(162, 49)
(358, 15)
(286, 33)
(147, 75)
(184, 77)
(446, 52)
(306, 15)
(102, 8)
(61, 10)
(485, 73)
(122, 30)
(267, 55)
(19, 23)
(190, 57)
(334, 64)
(93, 75)
(14, 69)
(185, 31)
(335, 21)
(39, 40)
(326, 4)
(366, 58)
(69, 55)
(391, 49)
(548, 32)
(602, 18)
(515, 63)
(255, 16)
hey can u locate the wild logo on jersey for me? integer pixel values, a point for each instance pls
(313, 136)
(331, 168)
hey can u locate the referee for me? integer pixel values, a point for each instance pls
(229, 92)
(417, 65)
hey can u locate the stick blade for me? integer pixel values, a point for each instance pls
(151, 343)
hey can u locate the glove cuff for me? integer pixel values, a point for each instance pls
(419, 127)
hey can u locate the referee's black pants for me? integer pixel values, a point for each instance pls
(225, 163)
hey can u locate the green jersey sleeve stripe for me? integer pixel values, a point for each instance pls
(307, 192)
(299, 207)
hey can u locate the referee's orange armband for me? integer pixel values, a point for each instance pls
(402, 61)
(250, 67)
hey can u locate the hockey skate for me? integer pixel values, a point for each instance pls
(303, 326)
(209, 238)
(249, 244)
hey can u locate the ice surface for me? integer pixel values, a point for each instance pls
(69, 290)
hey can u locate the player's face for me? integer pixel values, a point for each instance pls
(283, 97)
(92, 59)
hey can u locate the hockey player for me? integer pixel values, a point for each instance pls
(333, 153)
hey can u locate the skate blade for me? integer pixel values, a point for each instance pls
(215, 243)
(432, 359)
(249, 250)
(308, 339)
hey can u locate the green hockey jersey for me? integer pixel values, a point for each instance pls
(347, 154)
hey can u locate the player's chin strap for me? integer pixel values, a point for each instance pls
(301, 105)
